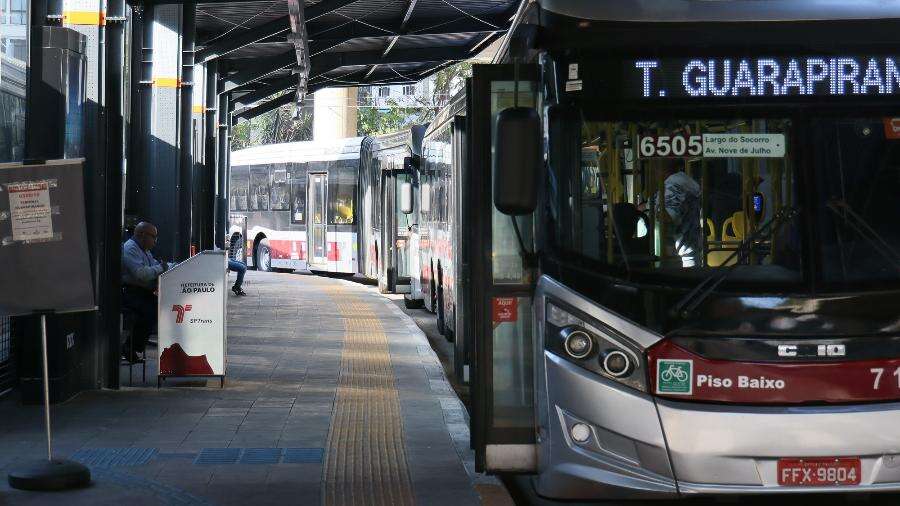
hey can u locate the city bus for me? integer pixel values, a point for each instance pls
(684, 276)
(292, 206)
(387, 235)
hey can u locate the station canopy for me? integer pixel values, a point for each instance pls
(266, 47)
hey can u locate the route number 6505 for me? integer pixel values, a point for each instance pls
(879, 372)
(665, 146)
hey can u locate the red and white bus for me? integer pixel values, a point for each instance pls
(293, 205)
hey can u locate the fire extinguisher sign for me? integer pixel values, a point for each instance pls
(504, 309)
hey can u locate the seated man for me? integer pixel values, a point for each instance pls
(139, 274)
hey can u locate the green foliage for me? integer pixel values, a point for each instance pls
(273, 127)
(374, 121)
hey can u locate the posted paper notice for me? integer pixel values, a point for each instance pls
(29, 206)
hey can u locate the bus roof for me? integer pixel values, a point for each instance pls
(298, 152)
(722, 11)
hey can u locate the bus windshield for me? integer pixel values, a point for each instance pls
(857, 171)
(686, 198)
(680, 197)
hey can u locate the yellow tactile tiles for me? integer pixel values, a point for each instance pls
(365, 460)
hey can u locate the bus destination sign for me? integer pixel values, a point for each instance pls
(685, 78)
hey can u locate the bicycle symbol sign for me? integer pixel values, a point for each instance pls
(674, 376)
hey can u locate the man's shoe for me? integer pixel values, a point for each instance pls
(238, 291)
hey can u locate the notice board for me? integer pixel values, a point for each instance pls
(192, 313)
(43, 238)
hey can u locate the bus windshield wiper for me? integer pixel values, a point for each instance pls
(686, 306)
(843, 210)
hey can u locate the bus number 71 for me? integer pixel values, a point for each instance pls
(878, 372)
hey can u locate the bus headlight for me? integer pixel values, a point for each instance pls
(616, 363)
(578, 343)
(578, 338)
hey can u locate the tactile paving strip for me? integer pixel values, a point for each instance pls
(110, 457)
(365, 462)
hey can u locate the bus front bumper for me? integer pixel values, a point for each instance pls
(645, 447)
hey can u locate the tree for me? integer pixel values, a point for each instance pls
(393, 117)
(377, 121)
(276, 126)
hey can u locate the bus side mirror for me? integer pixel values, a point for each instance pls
(410, 163)
(517, 160)
(406, 198)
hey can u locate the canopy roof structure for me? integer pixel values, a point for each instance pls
(338, 42)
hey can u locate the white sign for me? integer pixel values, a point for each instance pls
(712, 146)
(574, 85)
(192, 313)
(743, 145)
(29, 206)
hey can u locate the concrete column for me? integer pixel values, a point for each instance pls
(334, 113)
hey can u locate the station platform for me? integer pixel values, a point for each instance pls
(333, 396)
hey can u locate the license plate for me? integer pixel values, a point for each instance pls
(819, 472)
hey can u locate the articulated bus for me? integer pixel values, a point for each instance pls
(293, 205)
(387, 234)
(684, 276)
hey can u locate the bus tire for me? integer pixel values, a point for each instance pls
(263, 256)
(409, 303)
(441, 322)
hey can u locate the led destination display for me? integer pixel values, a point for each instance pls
(762, 77)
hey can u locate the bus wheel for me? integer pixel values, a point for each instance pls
(441, 324)
(263, 256)
(409, 303)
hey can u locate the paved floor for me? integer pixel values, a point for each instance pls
(333, 396)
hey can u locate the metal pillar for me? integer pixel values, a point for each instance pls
(198, 147)
(163, 158)
(88, 18)
(223, 168)
(210, 135)
(115, 163)
(184, 191)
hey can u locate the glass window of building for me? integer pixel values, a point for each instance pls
(13, 54)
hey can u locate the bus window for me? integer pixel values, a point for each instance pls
(279, 199)
(342, 193)
(239, 188)
(298, 195)
(259, 188)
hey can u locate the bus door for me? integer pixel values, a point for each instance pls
(463, 344)
(387, 275)
(316, 218)
(501, 292)
(401, 227)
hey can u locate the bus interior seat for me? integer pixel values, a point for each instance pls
(732, 235)
(710, 230)
(737, 225)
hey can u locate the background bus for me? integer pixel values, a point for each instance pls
(443, 252)
(388, 237)
(293, 205)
